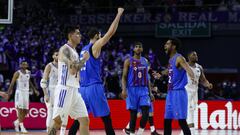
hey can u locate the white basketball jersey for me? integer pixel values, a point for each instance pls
(23, 80)
(197, 73)
(64, 76)
(53, 76)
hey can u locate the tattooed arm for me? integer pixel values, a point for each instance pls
(74, 66)
(78, 65)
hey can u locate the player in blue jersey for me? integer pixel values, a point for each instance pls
(136, 89)
(177, 99)
(92, 89)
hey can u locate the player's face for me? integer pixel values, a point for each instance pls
(168, 47)
(55, 56)
(138, 49)
(76, 36)
(193, 57)
(24, 65)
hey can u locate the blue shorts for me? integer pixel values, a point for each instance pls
(176, 104)
(137, 97)
(150, 108)
(95, 100)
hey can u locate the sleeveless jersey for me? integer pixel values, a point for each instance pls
(177, 78)
(64, 76)
(90, 72)
(53, 76)
(138, 72)
(197, 73)
(23, 80)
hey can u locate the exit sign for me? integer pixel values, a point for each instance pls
(187, 29)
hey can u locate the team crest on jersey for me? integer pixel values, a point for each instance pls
(134, 63)
(28, 76)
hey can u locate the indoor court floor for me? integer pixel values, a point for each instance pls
(119, 132)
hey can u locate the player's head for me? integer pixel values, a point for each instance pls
(23, 65)
(93, 33)
(172, 44)
(192, 56)
(73, 34)
(55, 55)
(138, 48)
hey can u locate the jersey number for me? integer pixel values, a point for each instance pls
(169, 79)
(139, 74)
(84, 67)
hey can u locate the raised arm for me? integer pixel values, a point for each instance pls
(96, 49)
(182, 62)
(204, 81)
(124, 78)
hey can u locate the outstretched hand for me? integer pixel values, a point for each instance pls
(4, 95)
(124, 94)
(120, 10)
(210, 86)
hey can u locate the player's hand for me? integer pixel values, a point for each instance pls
(124, 94)
(156, 75)
(46, 98)
(4, 95)
(152, 97)
(155, 89)
(36, 92)
(120, 10)
(86, 56)
(210, 86)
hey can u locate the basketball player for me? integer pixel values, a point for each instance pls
(92, 89)
(136, 88)
(67, 99)
(48, 84)
(22, 79)
(176, 100)
(192, 87)
(150, 120)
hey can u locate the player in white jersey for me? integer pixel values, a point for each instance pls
(192, 87)
(22, 80)
(68, 100)
(48, 84)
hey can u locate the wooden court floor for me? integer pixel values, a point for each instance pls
(119, 132)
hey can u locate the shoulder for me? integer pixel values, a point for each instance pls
(28, 71)
(127, 60)
(180, 58)
(49, 65)
(145, 59)
(63, 48)
(199, 66)
(85, 47)
(17, 73)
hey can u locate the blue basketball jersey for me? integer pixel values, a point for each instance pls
(90, 72)
(138, 72)
(177, 77)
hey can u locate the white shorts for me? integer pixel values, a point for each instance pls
(192, 99)
(51, 97)
(68, 102)
(22, 99)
